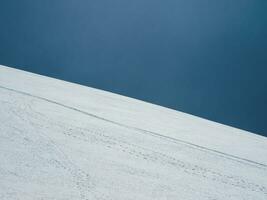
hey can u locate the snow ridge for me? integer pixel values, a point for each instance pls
(90, 144)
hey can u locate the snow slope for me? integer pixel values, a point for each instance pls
(60, 140)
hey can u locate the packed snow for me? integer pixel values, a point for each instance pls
(64, 141)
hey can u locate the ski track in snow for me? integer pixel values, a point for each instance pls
(141, 130)
(105, 159)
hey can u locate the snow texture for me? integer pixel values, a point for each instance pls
(64, 141)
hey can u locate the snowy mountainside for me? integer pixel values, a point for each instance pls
(60, 140)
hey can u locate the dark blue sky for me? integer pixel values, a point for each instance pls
(207, 58)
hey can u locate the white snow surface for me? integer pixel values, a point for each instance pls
(62, 141)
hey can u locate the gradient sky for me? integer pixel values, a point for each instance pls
(207, 58)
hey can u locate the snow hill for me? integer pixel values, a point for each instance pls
(64, 141)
